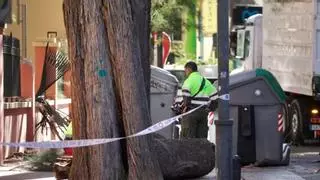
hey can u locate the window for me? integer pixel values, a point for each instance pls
(240, 44)
(243, 44)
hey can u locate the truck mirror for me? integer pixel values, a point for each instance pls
(246, 49)
(233, 43)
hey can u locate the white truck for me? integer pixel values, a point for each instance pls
(285, 40)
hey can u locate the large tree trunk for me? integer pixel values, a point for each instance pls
(109, 52)
(94, 107)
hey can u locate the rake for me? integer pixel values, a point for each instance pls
(55, 66)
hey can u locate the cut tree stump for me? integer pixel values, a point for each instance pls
(178, 159)
(186, 158)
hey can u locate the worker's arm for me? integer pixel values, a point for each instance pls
(186, 102)
(186, 94)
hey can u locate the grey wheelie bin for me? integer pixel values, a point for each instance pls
(256, 101)
(163, 89)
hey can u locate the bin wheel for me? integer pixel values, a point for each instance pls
(296, 122)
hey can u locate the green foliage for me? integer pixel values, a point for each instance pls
(170, 16)
(43, 161)
(167, 15)
(2, 2)
(177, 49)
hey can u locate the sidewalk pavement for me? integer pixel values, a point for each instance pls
(14, 172)
(266, 173)
(26, 175)
(251, 173)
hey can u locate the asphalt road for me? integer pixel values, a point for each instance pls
(305, 162)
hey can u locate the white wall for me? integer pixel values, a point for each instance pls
(42, 16)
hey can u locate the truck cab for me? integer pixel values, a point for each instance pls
(249, 44)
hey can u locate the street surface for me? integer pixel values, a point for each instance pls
(305, 165)
(305, 162)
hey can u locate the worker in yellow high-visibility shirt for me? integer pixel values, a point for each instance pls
(196, 91)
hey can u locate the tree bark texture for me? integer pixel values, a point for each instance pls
(109, 52)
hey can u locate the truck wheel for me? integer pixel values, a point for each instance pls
(296, 120)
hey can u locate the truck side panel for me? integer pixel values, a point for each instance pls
(317, 39)
(288, 41)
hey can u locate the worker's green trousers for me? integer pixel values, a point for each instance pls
(194, 125)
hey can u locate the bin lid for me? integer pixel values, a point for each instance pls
(272, 81)
(266, 75)
(162, 80)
